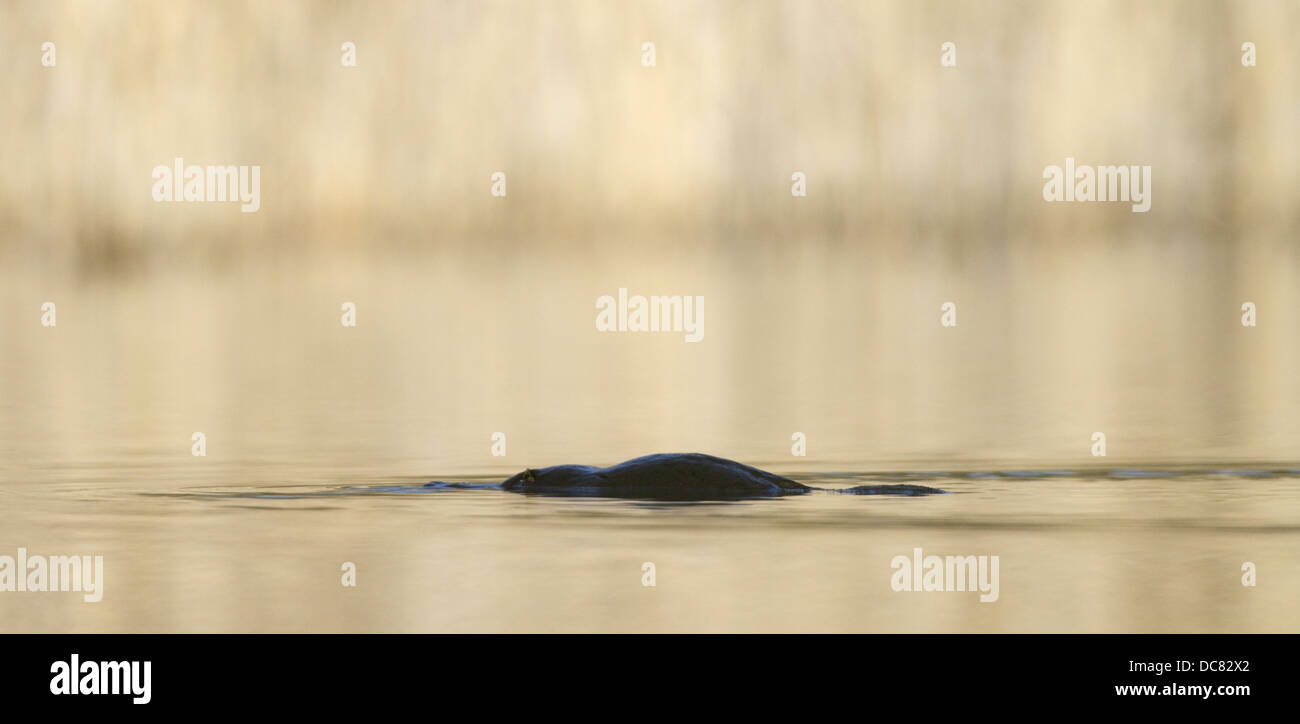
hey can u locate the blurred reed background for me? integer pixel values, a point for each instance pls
(476, 314)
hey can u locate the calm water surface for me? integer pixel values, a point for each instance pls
(317, 436)
(1097, 553)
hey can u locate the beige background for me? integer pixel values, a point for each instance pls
(477, 314)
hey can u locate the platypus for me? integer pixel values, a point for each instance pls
(674, 476)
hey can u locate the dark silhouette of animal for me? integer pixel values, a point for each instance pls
(673, 476)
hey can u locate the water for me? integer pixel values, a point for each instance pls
(317, 443)
(1096, 553)
(308, 422)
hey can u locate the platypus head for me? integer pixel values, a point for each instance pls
(520, 480)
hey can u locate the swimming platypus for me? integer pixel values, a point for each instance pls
(674, 476)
